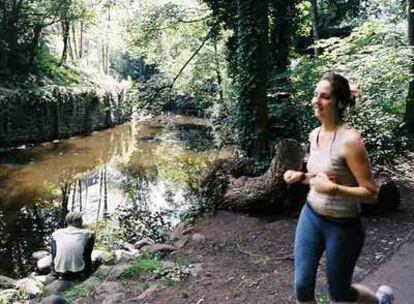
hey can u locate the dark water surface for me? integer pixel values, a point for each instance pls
(151, 165)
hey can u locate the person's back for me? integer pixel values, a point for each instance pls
(72, 247)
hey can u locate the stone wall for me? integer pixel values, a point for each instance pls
(52, 112)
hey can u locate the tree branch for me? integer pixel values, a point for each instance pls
(182, 21)
(191, 58)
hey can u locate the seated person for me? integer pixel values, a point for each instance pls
(72, 249)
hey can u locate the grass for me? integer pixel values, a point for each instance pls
(144, 264)
(77, 291)
(323, 299)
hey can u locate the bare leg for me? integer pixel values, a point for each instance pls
(365, 295)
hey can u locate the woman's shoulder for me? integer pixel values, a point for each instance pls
(314, 132)
(352, 137)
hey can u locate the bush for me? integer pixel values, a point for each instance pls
(383, 132)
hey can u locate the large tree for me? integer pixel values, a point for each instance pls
(251, 80)
(409, 111)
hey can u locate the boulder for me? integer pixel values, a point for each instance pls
(122, 256)
(112, 298)
(102, 256)
(107, 288)
(6, 282)
(143, 242)
(92, 282)
(57, 287)
(159, 248)
(40, 254)
(116, 271)
(54, 300)
(29, 286)
(181, 242)
(152, 289)
(128, 246)
(198, 237)
(44, 264)
(177, 233)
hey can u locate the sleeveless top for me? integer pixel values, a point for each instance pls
(329, 160)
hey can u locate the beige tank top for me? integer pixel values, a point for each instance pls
(329, 159)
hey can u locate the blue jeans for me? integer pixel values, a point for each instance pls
(342, 239)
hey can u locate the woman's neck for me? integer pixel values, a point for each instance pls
(330, 126)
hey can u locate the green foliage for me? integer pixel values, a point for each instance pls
(376, 61)
(166, 37)
(136, 223)
(323, 299)
(47, 67)
(199, 207)
(383, 132)
(76, 292)
(144, 264)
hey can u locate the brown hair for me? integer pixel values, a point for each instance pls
(341, 91)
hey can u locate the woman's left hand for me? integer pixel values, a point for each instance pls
(323, 184)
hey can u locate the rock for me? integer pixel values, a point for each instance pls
(57, 287)
(92, 282)
(198, 237)
(122, 256)
(181, 242)
(41, 278)
(128, 246)
(116, 271)
(113, 298)
(29, 286)
(54, 300)
(196, 269)
(6, 282)
(7, 295)
(108, 288)
(152, 289)
(177, 233)
(44, 264)
(160, 248)
(143, 242)
(105, 257)
(167, 265)
(40, 254)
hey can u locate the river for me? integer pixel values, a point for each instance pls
(149, 166)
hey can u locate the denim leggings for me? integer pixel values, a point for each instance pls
(342, 239)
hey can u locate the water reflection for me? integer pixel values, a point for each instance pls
(146, 168)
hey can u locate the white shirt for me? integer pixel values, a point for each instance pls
(70, 246)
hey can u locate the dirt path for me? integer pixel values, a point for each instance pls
(249, 259)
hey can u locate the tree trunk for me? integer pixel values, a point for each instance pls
(65, 37)
(282, 13)
(74, 43)
(315, 25)
(409, 110)
(35, 42)
(251, 78)
(226, 186)
(217, 67)
(81, 41)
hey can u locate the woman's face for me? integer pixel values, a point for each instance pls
(323, 103)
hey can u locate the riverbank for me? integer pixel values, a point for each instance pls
(39, 114)
(234, 258)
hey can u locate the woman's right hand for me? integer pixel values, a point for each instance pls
(291, 176)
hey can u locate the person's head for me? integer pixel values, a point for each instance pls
(74, 218)
(332, 97)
